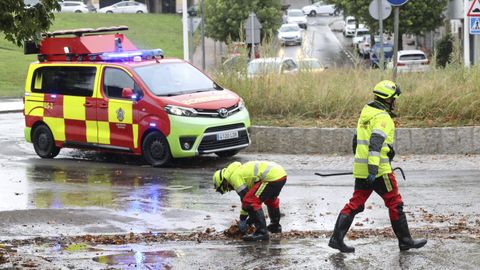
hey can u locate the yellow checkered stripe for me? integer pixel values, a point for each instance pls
(119, 111)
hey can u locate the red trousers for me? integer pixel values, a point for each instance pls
(385, 186)
(264, 192)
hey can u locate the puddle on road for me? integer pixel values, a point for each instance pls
(158, 259)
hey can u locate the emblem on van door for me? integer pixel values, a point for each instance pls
(223, 112)
(120, 114)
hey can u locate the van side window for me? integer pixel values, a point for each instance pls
(114, 80)
(71, 81)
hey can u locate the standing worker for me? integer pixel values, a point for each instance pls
(373, 148)
(256, 182)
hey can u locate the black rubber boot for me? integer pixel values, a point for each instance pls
(341, 228)
(261, 232)
(274, 226)
(405, 241)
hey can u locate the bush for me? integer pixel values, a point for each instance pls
(444, 50)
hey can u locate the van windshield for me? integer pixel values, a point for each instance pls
(170, 79)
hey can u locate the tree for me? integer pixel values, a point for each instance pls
(224, 19)
(20, 22)
(416, 17)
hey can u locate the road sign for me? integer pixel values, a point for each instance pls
(475, 25)
(374, 12)
(252, 29)
(397, 2)
(474, 10)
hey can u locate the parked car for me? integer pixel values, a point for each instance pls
(319, 8)
(310, 65)
(125, 7)
(364, 46)
(358, 36)
(273, 65)
(375, 51)
(350, 26)
(73, 6)
(411, 61)
(290, 33)
(296, 16)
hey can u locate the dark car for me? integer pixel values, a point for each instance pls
(375, 51)
(192, 11)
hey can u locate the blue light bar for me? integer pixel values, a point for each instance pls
(129, 55)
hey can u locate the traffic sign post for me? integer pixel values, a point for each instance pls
(380, 10)
(252, 32)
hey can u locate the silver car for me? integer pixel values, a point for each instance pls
(73, 6)
(290, 34)
(125, 7)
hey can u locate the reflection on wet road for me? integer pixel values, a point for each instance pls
(80, 193)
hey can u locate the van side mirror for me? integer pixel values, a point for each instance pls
(127, 92)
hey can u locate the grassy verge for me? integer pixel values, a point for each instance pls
(334, 98)
(146, 31)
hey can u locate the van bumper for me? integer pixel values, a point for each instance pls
(192, 136)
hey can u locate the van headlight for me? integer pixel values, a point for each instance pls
(180, 111)
(241, 105)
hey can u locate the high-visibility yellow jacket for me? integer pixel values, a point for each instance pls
(375, 132)
(251, 172)
(245, 176)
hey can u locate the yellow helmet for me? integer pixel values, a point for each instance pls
(387, 89)
(219, 183)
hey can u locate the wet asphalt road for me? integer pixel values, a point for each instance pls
(324, 43)
(81, 193)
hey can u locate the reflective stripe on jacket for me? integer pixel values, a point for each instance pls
(375, 130)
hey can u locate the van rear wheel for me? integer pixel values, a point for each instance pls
(155, 149)
(44, 143)
(229, 153)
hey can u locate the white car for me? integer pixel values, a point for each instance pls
(350, 26)
(73, 6)
(364, 46)
(319, 8)
(358, 36)
(273, 65)
(290, 33)
(411, 61)
(125, 7)
(296, 16)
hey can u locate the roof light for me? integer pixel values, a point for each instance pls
(132, 55)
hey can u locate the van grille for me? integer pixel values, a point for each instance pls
(211, 144)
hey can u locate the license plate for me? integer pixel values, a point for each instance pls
(227, 135)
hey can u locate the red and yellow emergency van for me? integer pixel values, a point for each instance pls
(93, 89)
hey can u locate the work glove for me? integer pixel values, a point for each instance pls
(391, 153)
(242, 224)
(370, 179)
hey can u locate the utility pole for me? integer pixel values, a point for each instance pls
(203, 34)
(186, 52)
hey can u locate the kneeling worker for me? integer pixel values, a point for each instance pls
(256, 182)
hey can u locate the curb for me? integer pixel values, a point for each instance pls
(328, 141)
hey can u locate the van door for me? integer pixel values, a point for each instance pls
(116, 126)
(69, 105)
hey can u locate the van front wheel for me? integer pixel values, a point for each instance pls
(155, 149)
(43, 142)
